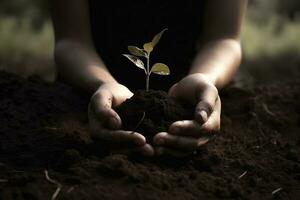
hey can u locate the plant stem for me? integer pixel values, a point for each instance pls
(139, 123)
(148, 73)
(147, 83)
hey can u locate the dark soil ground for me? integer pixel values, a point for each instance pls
(43, 128)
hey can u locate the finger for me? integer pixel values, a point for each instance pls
(146, 150)
(188, 128)
(101, 105)
(207, 100)
(179, 142)
(118, 137)
(159, 151)
(213, 123)
(191, 128)
(172, 89)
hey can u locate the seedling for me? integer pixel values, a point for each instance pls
(157, 68)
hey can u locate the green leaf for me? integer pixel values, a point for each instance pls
(157, 37)
(137, 51)
(160, 68)
(148, 47)
(135, 60)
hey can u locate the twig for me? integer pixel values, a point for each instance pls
(3, 180)
(265, 107)
(139, 123)
(243, 174)
(55, 194)
(70, 189)
(277, 190)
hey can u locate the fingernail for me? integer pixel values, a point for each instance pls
(139, 142)
(113, 123)
(203, 115)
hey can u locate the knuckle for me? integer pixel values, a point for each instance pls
(215, 90)
(210, 127)
(204, 105)
(212, 89)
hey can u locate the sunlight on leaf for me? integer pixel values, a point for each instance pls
(135, 60)
(148, 47)
(137, 51)
(157, 37)
(161, 69)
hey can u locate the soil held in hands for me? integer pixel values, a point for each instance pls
(151, 112)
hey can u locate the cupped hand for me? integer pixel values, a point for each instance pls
(185, 137)
(105, 123)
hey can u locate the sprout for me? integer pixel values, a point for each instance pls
(157, 68)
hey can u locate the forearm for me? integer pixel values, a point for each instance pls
(80, 65)
(219, 60)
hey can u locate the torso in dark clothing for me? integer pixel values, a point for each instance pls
(117, 24)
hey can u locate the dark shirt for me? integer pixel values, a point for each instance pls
(117, 24)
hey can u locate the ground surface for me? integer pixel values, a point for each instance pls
(44, 127)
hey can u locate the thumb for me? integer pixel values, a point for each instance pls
(172, 89)
(206, 103)
(101, 104)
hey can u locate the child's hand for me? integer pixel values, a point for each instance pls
(105, 123)
(185, 137)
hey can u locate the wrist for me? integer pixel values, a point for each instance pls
(101, 76)
(208, 77)
(102, 82)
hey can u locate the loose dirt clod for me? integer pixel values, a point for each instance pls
(160, 112)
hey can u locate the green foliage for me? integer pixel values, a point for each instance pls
(148, 47)
(136, 61)
(25, 50)
(26, 38)
(26, 35)
(271, 36)
(18, 37)
(158, 68)
(137, 51)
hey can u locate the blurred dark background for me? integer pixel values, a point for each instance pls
(270, 40)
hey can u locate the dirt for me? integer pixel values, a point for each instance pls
(151, 112)
(43, 126)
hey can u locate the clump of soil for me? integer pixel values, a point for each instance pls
(151, 112)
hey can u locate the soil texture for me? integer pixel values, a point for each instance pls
(46, 151)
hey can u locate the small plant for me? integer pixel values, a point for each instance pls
(157, 68)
